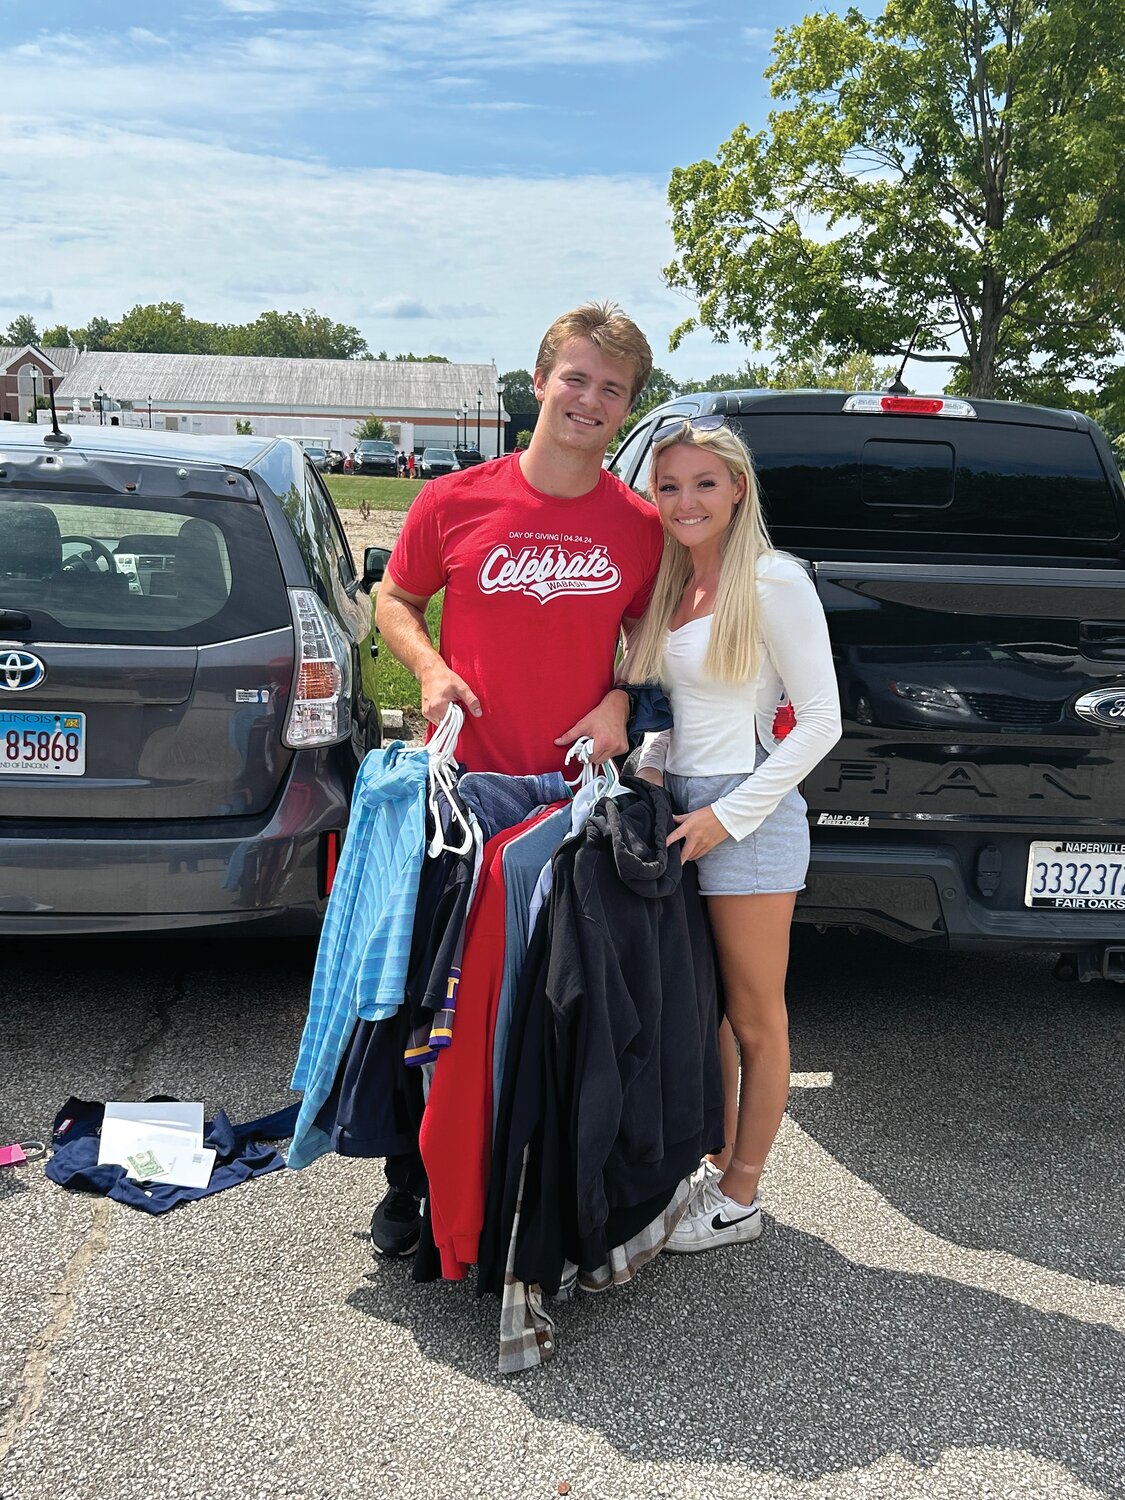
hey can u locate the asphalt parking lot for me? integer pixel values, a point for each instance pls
(936, 1306)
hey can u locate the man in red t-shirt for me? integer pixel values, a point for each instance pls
(544, 557)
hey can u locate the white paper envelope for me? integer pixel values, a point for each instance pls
(128, 1128)
(185, 1163)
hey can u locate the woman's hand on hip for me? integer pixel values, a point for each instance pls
(698, 832)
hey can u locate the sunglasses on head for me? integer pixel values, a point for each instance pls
(675, 425)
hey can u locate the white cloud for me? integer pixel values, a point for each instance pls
(264, 65)
(501, 106)
(414, 309)
(99, 220)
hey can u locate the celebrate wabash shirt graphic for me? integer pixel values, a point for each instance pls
(542, 567)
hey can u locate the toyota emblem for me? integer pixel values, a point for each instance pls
(20, 670)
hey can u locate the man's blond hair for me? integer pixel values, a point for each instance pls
(609, 330)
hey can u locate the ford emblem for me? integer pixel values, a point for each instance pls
(19, 670)
(1107, 707)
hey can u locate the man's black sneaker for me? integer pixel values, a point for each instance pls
(396, 1224)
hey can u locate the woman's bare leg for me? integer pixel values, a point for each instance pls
(752, 939)
(728, 1056)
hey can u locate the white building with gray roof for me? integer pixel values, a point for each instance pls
(420, 402)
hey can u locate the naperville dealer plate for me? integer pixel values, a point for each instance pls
(1081, 877)
(42, 744)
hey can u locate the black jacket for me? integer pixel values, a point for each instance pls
(613, 1079)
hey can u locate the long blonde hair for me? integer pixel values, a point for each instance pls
(733, 650)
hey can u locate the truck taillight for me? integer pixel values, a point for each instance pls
(909, 406)
(320, 713)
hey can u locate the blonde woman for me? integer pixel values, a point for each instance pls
(736, 633)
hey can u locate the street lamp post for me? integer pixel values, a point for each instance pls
(150, 413)
(34, 398)
(499, 429)
(480, 398)
(99, 402)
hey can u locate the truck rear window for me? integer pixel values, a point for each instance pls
(102, 570)
(933, 484)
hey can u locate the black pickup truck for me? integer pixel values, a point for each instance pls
(970, 558)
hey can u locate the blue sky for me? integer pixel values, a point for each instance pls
(445, 174)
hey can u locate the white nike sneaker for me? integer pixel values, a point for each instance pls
(713, 1219)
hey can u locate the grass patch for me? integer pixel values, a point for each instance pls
(398, 688)
(350, 491)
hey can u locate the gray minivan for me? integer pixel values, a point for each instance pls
(186, 682)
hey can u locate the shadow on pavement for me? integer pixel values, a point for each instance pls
(981, 1098)
(785, 1357)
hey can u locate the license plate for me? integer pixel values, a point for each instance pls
(42, 744)
(1076, 876)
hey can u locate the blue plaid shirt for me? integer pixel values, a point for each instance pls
(364, 951)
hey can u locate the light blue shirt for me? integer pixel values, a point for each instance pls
(364, 952)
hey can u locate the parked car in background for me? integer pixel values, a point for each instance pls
(467, 457)
(375, 456)
(187, 683)
(317, 456)
(437, 461)
(334, 463)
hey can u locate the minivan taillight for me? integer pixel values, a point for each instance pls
(320, 713)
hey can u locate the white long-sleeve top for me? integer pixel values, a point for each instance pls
(719, 724)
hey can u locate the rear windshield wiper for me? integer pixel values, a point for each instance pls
(15, 619)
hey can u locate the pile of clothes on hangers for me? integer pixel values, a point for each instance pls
(516, 972)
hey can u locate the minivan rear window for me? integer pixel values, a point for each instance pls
(103, 570)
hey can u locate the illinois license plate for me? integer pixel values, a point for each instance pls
(42, 744)
(1082, 877)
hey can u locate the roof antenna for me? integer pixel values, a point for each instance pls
(898, 386)
(57, 438)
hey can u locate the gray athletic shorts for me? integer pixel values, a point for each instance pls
(774, 858)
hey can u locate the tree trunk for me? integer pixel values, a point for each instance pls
(982, 355)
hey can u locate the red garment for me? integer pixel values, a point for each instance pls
(456, 1134)
(536, 589)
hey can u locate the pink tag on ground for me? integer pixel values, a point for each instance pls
(11, 1156)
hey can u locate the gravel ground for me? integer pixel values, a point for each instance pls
(379, 529)
(936, 1306)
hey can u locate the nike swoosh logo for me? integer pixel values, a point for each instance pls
(720, 1222)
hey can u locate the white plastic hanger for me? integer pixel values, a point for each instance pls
(604, 778)
(441, 781)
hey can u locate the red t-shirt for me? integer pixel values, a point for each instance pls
(536, 588)
(456, 1135)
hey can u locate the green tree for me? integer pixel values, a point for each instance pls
(953, 164)
(243, 426)
(21, 331)
(96, 336)
(523, 437)
(294, 335)
(370, 428)
(519, 392)
(163, 328)
(859, 372)
(57, 337)
(420, 359)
